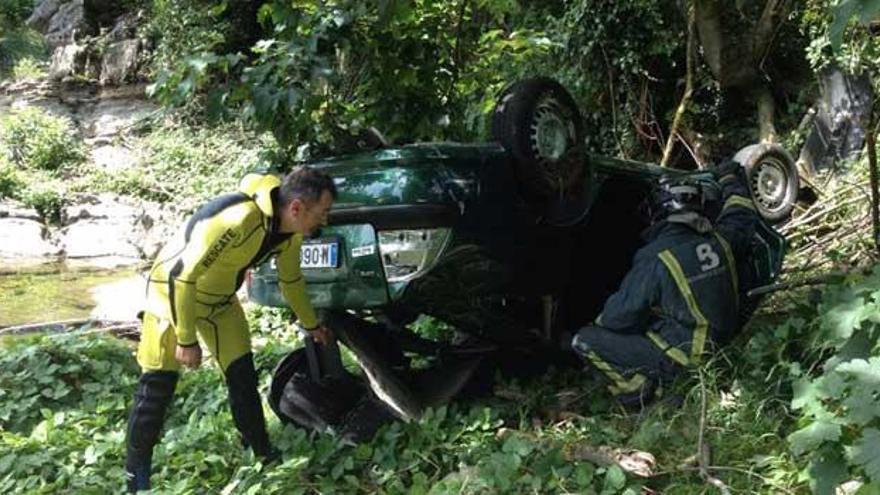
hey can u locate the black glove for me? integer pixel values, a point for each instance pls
(729, 169)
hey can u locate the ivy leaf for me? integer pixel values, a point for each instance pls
(808, 395)
(864, 388)
(615, 479)
(813, 435)
(866, 453)
(866, 10)
(842, 320)
(827, 470)
(517, 445)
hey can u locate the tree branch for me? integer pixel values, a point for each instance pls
(873, 128)
(688, 86)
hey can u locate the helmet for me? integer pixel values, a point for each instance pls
(673, 195)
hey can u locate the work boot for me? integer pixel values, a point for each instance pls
(151, 399)
(247, 409)
(636, 401)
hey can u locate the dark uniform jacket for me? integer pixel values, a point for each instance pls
(683, 288)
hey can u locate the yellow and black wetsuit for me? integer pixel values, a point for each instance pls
(192, 285)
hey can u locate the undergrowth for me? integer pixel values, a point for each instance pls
(527, 439)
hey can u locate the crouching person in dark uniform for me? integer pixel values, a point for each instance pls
(191, 293)
(681, 295)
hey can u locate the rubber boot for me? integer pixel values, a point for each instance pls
(151, 399)
(247, 409)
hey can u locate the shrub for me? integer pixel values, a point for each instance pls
(11, 183)
(28, 68)
(18, 43)
(191, 166)
(14, 12)
(37, 140)
(181, 27)
(47, 197)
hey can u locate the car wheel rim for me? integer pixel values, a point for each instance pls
(770, 184)
(550, 132)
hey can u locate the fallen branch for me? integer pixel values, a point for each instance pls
(872, 168)
(635, 462)
(749, 473)
(118, 328)
(55, 326)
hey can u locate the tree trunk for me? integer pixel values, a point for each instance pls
(707, 17)
(737, 62)
(766, 110)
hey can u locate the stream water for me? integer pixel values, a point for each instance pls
(59, 294)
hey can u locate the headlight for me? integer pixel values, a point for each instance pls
(406, 254)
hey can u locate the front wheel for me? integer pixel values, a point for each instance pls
(773, 179)
(538, 123)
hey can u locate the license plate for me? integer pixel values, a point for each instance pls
(320, 255)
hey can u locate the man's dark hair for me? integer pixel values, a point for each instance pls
(305, 184)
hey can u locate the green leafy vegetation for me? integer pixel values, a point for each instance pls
(17, 42)
(183, 165)
(28, 68)
(38, 149)
(792, 405)
(838, 398)
(34, 139)
(530, 438)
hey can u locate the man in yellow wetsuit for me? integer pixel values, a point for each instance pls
(191, 293)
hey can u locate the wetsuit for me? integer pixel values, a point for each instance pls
(192, 291)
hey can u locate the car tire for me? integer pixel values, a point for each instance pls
(537, 121)
(773, 179)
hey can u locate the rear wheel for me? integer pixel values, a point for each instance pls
(538, 122)
(773, 179)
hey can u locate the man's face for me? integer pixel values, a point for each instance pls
(307, 216)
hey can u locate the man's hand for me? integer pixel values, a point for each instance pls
(190, 357)
(322, 335)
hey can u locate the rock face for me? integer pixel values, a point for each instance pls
(68, 22)
(24, 240)
(100, 114)
(119, 62)
(101, 231)
(42, 15)
(67, 60)
(96, 39)
(97, 231)
(93, 38)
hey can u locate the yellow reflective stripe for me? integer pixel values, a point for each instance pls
(731, 262)
(727, 178)
(736, 200)
(620, 384)
(635, 383)
(702, 325)
(674, 353)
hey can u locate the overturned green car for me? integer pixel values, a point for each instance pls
(514, 243)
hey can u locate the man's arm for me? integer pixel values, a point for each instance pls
(738, 217)
(628, 310)
(293, 286)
